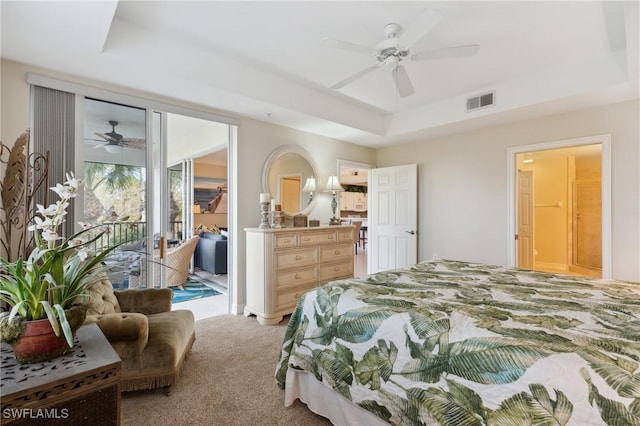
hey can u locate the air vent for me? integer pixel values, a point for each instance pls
(480, 101)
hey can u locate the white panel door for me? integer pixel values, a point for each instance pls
(525, 220)
(393, 217)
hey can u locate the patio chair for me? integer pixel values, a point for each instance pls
(177, 261)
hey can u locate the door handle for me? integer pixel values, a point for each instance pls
(412, 232)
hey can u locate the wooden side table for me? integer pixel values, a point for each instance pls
(81, 387)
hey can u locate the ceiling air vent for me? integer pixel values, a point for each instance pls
(480, 101)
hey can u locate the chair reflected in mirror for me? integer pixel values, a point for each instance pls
(356, 233)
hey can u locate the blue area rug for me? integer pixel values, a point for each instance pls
(192, 291)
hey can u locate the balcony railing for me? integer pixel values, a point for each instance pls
(122, 232)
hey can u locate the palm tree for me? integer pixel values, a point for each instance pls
(114, 178)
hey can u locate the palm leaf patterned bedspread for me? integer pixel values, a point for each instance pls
(456, 343)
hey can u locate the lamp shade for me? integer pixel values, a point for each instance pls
(310, 185)
(113, 148)
(333, 184)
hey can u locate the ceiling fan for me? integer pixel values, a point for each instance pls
(115, 141)
(396, 48)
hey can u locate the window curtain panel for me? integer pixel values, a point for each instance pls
(53, 131)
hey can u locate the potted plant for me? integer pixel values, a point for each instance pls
(45, 291)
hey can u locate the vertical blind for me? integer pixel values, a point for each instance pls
(54, 131)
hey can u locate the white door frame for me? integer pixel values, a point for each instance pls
(605, 141)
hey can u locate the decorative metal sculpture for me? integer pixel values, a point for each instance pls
(24, 175)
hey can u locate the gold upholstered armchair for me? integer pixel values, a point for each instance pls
(151, 339)
(177, 262)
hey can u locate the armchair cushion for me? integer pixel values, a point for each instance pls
(122, 326)
(100, 298)
(147, 302)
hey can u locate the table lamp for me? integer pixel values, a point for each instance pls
(333, 186)
(310, 187)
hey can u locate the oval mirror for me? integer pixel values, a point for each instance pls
(290, 176)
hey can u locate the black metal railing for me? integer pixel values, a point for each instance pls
(126, 232)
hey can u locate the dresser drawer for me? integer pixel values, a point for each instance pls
(297, 277)
(287, 298)
(345, 236)
(297, 258)
(335, 253)
(336, 271)
(287, 240)
(311, 238)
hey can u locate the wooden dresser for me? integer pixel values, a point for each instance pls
(283, 264)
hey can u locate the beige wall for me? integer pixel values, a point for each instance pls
(463, 183)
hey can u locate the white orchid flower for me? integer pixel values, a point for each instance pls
(49, 211)
(39, 223)
(50, 236)
(73, 182)
(63, 191)
(83, 254)
(76, 242)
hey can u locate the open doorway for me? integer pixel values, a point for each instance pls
(561, 208)
(197, 151)
(354, 208)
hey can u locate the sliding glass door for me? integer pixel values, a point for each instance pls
(123, 162)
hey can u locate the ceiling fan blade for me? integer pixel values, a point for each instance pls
(345, 45)
(355, 76)
(403, 84)
(447, 52)
(133, 143)
(105, 137)
(427, 19)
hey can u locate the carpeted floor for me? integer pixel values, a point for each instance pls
(227, 380)
(192, 290)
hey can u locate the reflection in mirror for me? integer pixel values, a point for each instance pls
(287, 177)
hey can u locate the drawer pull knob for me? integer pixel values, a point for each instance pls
(298, 257)
(297, 276)
(297, 295)
(336, 252)
(337, 268)
(287, 240)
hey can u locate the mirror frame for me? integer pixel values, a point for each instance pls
(290, 149)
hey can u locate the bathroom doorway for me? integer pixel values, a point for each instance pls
(559, 210)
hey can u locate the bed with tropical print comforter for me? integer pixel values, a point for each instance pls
(456, 343)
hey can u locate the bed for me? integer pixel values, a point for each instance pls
(458, 343)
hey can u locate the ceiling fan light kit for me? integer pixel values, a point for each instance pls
(113, 148)
(396, 48)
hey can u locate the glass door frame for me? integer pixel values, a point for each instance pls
(96, 92)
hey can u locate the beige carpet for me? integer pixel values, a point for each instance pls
(227, 380)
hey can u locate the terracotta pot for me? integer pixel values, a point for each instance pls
(39, 342)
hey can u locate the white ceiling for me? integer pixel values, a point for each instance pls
(265, 60)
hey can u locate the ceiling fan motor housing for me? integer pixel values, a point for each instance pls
(389, 50)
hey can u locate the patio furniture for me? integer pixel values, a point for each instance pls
(177, 262)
